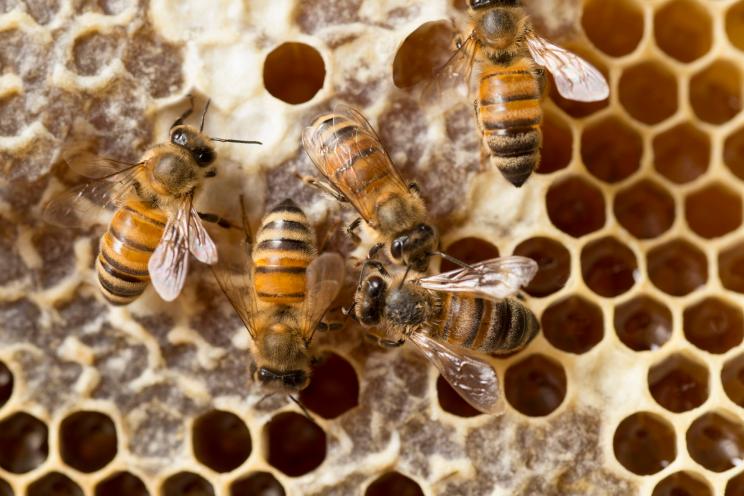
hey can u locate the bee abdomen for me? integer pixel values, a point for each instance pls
(285, 246)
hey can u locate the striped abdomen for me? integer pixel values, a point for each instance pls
(285, 246)
(510, 116)
(125, 249)
(492, 327)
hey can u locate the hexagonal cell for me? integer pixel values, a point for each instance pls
(683, 29)
(643, 323)
(732, 377)
(54, 484)
(731, 267)
(735, 486)
(713, 325)
(186, 483)
(5, 489)
(735, 27)
(573, 107)
(24, 443)
(679, 383)
(294, 72)
(609, 267)
(575, 206)
(422, 53)
(6, 384)
(645, 209)
(682, 484)
(334, 389)
(87, 440)
(733, 152)
(221, 440)
(553, 260)
(677, 267)
(644, 443)
(257, 484)
(611, 149)
(93, 51)
(716, 441)
(535, 386)
(615, 27)
(713, 211)
(121, 484)
(715, 92)
(452, 402)
(648, 91)
(393, 483)
(557, 145)
(469, 250)
(682, 153)
(573, 324)
(296, 444)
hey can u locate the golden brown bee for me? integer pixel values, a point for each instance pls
(510, 57)
(155, 224)
(348, 153)
(452, 317)
(281, 295)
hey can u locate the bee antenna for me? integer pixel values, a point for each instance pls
(230, 140)
(204, 115)
(452, 259)
(408, 269)
(264, 398)
(302, 407)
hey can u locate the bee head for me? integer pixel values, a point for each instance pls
(197, 144)
(496, 27)
(484, 4)
(282, 363)
(371, 300)
(413, 247)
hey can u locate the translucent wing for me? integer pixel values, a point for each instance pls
(325, 276)
(575, 78)
(493, 279)
(454, 75)
(90, 165)
(200, 243)
(473, 379)
(170, 260)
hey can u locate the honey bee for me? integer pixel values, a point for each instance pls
(281, 294)
(452, 318)
(510, 57)
(155, 224)
(347, 151)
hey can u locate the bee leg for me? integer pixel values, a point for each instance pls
(223, 223)
(187, 113)
(353, 227)
(324, 187)
(374, 250)
(414, 188)
(541, 79)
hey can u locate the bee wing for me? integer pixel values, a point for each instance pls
(454, 75)
(575, 78)
(200, 243)
(90, 165)
(493, 279)
(473, 379)
(234, 274)
(325, 276)
(170, 260)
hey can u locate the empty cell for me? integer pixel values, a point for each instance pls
(573, 324)
(535, 386)
(5, 489)
(614, 27)
(643, 323)
(422, 53)
(735, 486)
(575, 206)
(6, 384)
(469, 250)
(221, 440)
(715, 92)
(713, 325)
(713, 211)
(186, 484)
(452, 402)
(733, 152)
(54, 484)
(683, 29)
(732, 377)
(731, 267)
(296, 444)
(679, 383)
(677, 267)
(23, 443)
(735, 26)
(573, 107)
(645, 209)
(557, 145)
(554, 264)
(294, 72)
(93, 51)
(334, 389)
(121, 484)
(609, 267)
(648, 91)
(611, 149)
(644, 443)
(682, 484)
(393, 483)
(257, 484)
(682, 153)
(87, 440)
(716, 441)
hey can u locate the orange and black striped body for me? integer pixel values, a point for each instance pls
(491, 327)
(510, 116)
(125, 249)
(285, 246)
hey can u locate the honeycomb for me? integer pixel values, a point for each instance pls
(635, 385)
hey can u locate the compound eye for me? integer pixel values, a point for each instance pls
(375, 286)
(179, 137)
(294, 379)
(204, 156)
(265, 375)
(396, 249)
(425, 229)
